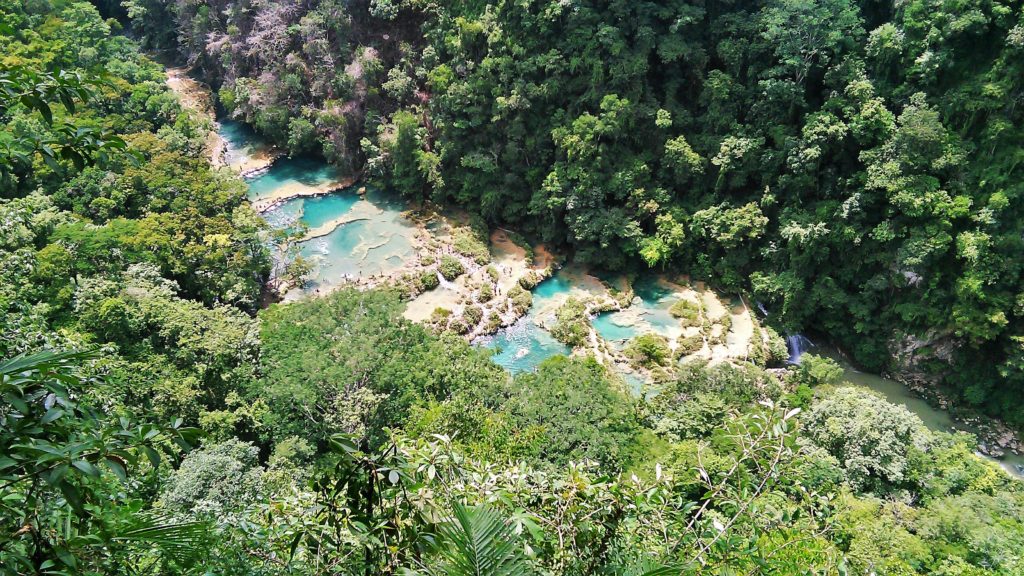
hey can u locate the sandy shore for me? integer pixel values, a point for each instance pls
(195, 95)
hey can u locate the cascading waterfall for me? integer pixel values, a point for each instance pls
(444, 283)
(797, 344)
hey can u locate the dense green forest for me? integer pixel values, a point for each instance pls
(855, 167)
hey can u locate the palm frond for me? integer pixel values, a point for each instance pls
(182, 541)
(646, 568)
(41, 360)
(478, 541)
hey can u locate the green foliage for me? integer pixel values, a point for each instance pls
(649, 350)
(815, 370)
(486, 293)
(572, 327)
(364, 367)
(863, 181)
(471, 244)
(473, 315)
(217, 480)
(529, 280)
(428, 280)
(71, 476)
(478, 541)
(521, 299)
(850, 164)
(450, 267)
(688, 312)
(871, 438)
(700, 398)
(581, 414)
(26, 87)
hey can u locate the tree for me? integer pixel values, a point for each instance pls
(578, 411)
(71, 477)
(41, 92)
(871, 438)
(668, 237)
(809, 33)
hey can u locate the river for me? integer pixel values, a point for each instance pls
(355, 235)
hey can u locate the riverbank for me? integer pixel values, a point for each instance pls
(935, 417)
(247, 159)
(497, 290)
(295, 190)
(196, 96)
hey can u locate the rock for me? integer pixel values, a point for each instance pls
(361, 191)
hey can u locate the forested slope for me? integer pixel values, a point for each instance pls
(145, 251)
(856, 166)
(155, 420)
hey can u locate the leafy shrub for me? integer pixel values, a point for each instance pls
(521, 299)
(571, 325)
(529, 280)
(218, 479)
(450, 267)
(470, 244)
(439, 317)
(870, 437)
(473, 315)
(493, 322)
(815, 370)
(778, 351)
(485, 294)
(689, 345)
(648, 350)
(687, 311)
(580, 412)
(458, 326)
(428, 280)
(693, 417)
(739, 384)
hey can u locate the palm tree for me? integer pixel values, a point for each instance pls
(478, 541)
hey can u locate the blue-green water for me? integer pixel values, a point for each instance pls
(378, 242)
(286, 215)
(371, 237)
(242, 143)
(612, 332)
(653, 300)
(320, 210)
(551, 288)
(524, 345)
(656, 299)
(240, 139)
(300, 172)
(314, 211)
